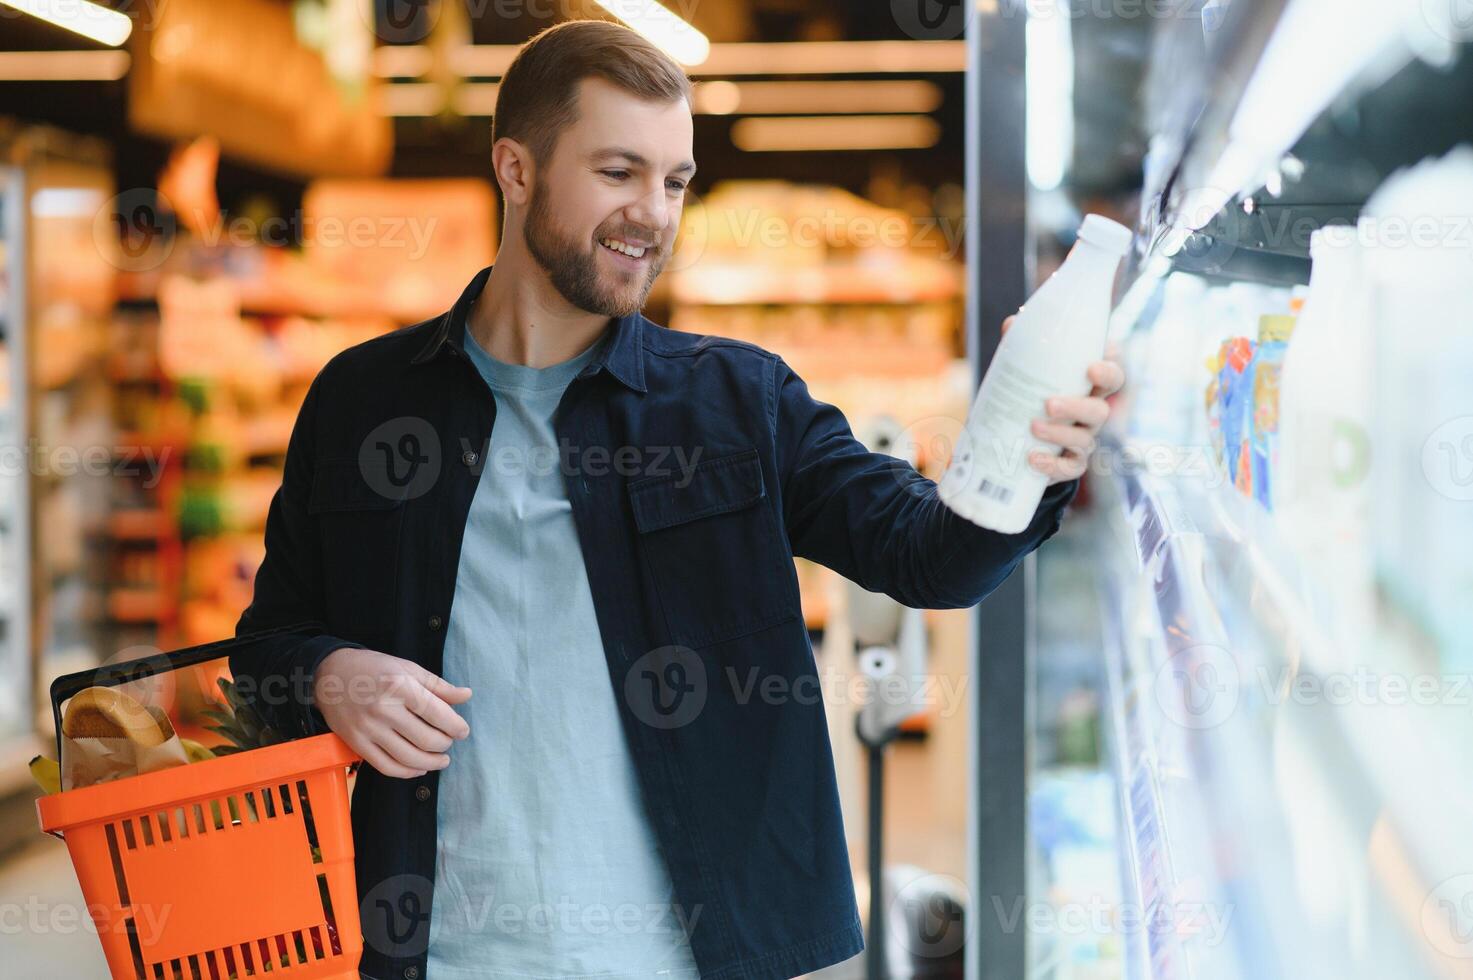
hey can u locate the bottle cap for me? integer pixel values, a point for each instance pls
(1109, 235)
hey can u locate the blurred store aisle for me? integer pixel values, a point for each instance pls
(43, 918)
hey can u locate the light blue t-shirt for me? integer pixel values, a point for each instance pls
(546, 866)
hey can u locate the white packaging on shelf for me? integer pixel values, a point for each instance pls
(1418, 234)
(1321, 490)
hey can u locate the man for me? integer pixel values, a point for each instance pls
(590, 521)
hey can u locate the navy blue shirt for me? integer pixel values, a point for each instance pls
(697, 467)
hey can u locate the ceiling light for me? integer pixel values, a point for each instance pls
(63, 66)
(755, 58)
(82, 17)
(807, 133)
(662, 28)
(789, 98)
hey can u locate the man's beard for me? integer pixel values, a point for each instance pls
(573, 267)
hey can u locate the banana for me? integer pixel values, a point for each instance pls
(47, 774)
(195, 751)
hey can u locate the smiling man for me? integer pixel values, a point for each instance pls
(590, 521)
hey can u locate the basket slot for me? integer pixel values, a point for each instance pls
(112, 848)
(308, 821)
(147, 828)
(286, 798)
(163, 819)
(194, 973)
(131, 925)
(332, 921)
(214, 966)
(266, 963)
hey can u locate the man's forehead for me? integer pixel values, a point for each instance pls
(607, 124)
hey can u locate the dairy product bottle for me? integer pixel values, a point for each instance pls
(1056, 336)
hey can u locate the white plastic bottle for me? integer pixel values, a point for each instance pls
(1321, 486)
(1045, 353)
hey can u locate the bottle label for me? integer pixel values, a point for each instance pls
(1010, 399)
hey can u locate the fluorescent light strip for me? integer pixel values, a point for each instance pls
(817, 133)
(836, 58)
(63, 66)
(477, 99)
(787, 98)
(776, 58)
(661, 27)
(712, 98)
(412, 99)
(82, 17)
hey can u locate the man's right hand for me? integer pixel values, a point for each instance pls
(389, 710)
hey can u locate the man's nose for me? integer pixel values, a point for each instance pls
(651, 213)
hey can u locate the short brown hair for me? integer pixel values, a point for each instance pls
(538, 95)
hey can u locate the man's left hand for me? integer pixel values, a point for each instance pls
(1074, 423)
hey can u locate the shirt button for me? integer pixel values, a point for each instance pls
(411, 973)
(422, 793)
(436, 622)
(468, 457)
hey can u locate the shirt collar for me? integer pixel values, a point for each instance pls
(623, 356)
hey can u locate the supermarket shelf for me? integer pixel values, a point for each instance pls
(1216, 802)
(140, 524)
(277, 303)
(138, 605)
(911, 281)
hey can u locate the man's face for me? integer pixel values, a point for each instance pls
(605, 209)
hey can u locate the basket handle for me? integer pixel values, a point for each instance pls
(109, 675)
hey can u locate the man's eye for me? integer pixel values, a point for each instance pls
(615, 174)
(676, 186)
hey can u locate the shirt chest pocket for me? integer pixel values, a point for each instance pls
(360, 528)
(718, 560)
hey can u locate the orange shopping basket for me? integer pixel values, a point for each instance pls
(232, 867)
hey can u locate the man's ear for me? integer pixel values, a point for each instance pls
(513, 165)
